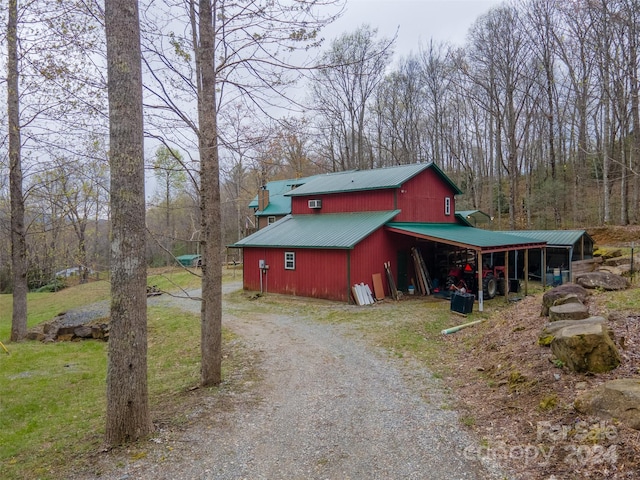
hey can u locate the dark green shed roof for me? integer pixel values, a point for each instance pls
(465, 236)
(331, 230)
(554, 238)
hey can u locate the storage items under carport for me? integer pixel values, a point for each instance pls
(462, 302)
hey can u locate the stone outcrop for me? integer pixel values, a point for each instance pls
(604, 280)
(586, 347)
(561, 291)
(616, 399)
(571, 298)
(568, 311)
(58, 331)
(551, 329)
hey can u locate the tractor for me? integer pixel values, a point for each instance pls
(465, 278)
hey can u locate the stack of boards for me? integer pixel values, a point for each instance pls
(362, 294)
(424, 279)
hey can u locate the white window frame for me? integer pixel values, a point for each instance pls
(447, 205)
(271, 219)
(289, 260)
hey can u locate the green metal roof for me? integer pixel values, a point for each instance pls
(375, 179)
(329, 230)
(466, 236)
(279, 204)
(472, 217)
(554, 238)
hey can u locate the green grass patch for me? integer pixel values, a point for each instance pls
(53, 401)
(45, 306)
(170, 279)
(624, 300)
(52, 404)
(52, 398)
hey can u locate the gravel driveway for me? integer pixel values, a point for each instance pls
(330, 407)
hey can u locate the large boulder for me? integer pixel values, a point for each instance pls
(550, 330)
(624, 260)
(617, 270)
(586, 348)
(604, 280)
(617, 399)
(554, 327)
(571, 298)
(553, 295)
(568, 311)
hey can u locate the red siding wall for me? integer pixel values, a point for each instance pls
(421, 199)
(368, 257)
(370, 201)
(331, 273)
(318, 273)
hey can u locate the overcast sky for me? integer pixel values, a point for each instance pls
(417, 21)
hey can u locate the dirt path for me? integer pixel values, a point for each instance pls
(328, 407)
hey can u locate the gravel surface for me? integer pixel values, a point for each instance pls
(327, 407)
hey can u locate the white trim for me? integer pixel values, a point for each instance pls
(289, 260)
(447, 205)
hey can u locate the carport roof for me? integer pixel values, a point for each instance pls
(465, 236)
(554, 238)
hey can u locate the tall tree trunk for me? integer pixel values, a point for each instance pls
(606, 163)
(634, 161)
(512, 161)
(128, 416)
(211, 314)
(18, 232)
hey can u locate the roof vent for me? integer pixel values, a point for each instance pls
(315, 203)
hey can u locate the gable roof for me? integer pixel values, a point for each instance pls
(465, 236)
(278, 203)
(375, 179)
(472, 217)
(330, 230)
(554, 238)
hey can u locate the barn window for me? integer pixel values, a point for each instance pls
(289, 260)
(271, 219)
(447, 205)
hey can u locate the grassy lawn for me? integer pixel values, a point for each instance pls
(52, 398)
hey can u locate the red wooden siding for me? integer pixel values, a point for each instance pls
(325, 273)
(369, 201)
(421, 199)
(318, 273)
(368, 257)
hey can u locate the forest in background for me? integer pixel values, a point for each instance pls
(536, 118)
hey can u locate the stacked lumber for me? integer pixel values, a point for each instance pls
(392, 284)
(422, 274)
(362, 294)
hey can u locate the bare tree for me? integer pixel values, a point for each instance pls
(501, 56)
(234, 52)
(128, 416)
(211, 239)
(18, 231)
(353, 68)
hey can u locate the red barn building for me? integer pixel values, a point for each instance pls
(344, 226)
